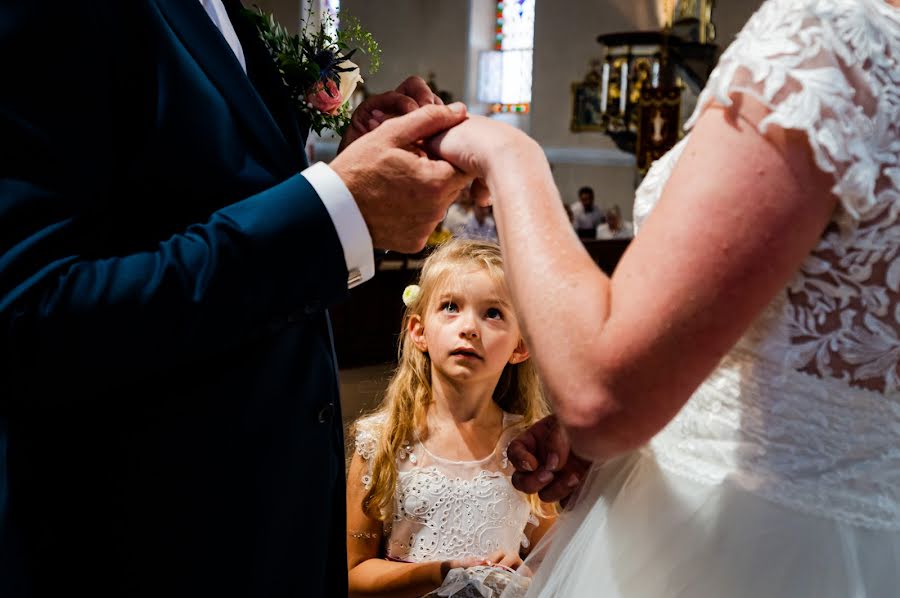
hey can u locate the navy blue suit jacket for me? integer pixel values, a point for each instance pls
(169, 415)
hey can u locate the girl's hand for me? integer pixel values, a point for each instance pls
(465, 563)
(447, 566)
(503, 560)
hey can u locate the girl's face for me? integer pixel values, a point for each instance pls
(469, 330)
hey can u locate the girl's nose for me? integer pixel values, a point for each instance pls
(468, 329)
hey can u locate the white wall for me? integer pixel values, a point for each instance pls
(416, 37)
(445, 36)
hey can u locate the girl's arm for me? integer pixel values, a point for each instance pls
(621, 356)
(369, 573)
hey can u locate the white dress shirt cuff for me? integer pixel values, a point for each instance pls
(348, 222)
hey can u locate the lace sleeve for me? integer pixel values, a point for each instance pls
(368, 430)
(828, 68)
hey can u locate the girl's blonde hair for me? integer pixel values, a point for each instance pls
(408, 394)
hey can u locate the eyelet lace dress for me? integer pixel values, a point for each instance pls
(446, 510)
(780, 478)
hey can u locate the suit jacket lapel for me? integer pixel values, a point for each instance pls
(267, 80)
(207, 46)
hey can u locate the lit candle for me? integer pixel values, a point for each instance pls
(623, 86)
(655, 73)
(604, 87)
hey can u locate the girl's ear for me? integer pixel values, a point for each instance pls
(416, 330)
(519, 354)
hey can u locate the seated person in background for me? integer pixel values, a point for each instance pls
(585, 215)
(615, 226)
(430, 502)
(459, 212)
(480, 225)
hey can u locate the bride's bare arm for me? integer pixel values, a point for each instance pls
(621, 356)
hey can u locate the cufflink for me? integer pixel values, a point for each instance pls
(354, 277)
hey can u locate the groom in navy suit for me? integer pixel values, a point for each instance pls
(169, 414)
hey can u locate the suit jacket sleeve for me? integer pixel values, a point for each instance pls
(69, 319)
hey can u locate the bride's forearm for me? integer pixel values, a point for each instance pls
(562, 297)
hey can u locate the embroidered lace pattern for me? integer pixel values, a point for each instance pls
(805, 410)
(451, 509)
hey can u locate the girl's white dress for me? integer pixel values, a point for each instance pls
(446, 509)
(780, 478)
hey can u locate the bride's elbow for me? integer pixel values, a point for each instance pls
(587, 410)
(601, 427)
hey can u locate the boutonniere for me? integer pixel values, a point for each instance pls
(315, 65)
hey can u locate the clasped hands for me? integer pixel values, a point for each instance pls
(404, 170)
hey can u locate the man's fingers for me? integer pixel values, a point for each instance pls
(530, 483)
(560, 488)
(556, 447)
(423, 123)
(566, 481)
(417, 89)
(520, 455)
(388, 103)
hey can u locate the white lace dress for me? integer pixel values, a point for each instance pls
(780, 478)
(446, 510)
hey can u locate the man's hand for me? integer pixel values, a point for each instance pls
(413, 93)
(401, 191)
(474, 146)
(544, 463)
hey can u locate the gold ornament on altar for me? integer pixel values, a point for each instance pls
(634, 93)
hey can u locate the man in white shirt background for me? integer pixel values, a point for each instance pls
(585, 214)
(169, 417)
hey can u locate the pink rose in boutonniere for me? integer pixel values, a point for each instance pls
(315, 66)
(325, 97)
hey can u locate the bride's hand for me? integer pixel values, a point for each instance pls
(483, 147)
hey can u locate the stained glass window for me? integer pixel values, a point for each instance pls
(505, 74)
(515, 25)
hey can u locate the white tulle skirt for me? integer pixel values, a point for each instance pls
(636, 530)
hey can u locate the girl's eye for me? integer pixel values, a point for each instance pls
(450, 307)
(494, 314)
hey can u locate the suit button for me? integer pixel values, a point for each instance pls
(326, 413)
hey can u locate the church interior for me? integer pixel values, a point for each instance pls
(605, 87)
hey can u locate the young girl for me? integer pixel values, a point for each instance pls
(429, 486)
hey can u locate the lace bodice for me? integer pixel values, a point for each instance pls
(446, 509)
(805, 410)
